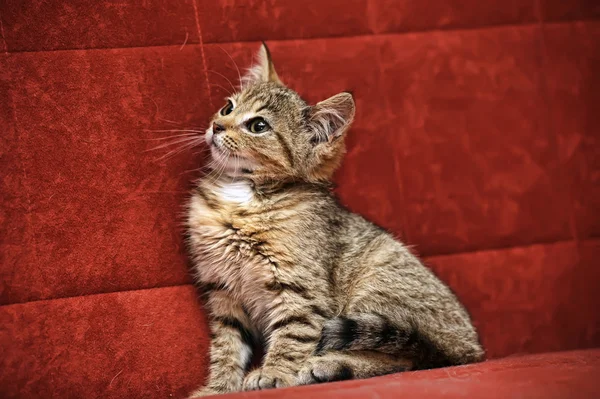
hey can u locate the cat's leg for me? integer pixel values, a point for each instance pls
(231, 345)
(340, 365)
(296, 322)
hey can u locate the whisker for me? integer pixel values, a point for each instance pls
(224, 77)
(177, 123)
(187, 172)
(201, 169)
(171, 154)
(172, 137)
(156, 108)
(174, 152)
(229, 92)
(234, 63)
(170, 121)
(237, 164)
(215, 166)
(174, 130)
(184, 144)
(153, 102)
(172, 143)
(203, 150)
(221, 163)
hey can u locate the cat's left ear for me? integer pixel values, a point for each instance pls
(263, 70)
(331, 118)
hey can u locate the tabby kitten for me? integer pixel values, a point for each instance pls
(330, 295)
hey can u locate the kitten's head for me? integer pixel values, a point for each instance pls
(267, 132)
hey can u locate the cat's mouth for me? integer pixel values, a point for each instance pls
(226, 160)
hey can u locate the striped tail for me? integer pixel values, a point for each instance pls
(373, 332)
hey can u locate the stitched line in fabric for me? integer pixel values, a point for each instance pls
(59, 298)
(427, 261)
(366, 35)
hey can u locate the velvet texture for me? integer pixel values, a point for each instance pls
(475, 141)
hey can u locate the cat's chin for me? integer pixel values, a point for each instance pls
(231, 164)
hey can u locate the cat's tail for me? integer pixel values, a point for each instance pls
(374, 332)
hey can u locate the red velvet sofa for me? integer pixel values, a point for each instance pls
(475, 141)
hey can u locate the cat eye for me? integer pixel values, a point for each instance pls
(227, 109)
(257, 125)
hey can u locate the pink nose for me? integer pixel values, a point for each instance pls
(217, 128)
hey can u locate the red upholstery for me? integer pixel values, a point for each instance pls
(476, 141)
(547, 376)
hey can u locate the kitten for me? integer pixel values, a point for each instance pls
(331, 295)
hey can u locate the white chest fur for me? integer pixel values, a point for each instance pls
(237, 192)
(224, 254)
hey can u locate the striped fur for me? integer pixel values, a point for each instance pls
(331, 295)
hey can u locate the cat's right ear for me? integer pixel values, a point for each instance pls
(263, 70)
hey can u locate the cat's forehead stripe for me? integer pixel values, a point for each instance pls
(268, 97)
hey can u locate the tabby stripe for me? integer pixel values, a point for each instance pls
(301, 338)
(209, 201)
(291, 320)
(235, 324)
(286, 148)
(208, 287)
(349, 332)
(389, 332)
(290, 358)
(260, 109)
(331, 278)
(319, 311)
(279, 286)
(343, 338)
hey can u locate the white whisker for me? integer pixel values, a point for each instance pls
(224, 77)
(175, 130)
(229, 92)
(234, 63)
(172, 137)
(174, 142)
(185, 145)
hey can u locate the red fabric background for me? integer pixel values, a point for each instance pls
(476, 141)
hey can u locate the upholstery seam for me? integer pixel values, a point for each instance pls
(363, 35)
(203, 54)
(5, 44)
(425, 259)
(501, 247)
(59, 298)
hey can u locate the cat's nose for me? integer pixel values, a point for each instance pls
(217, 128)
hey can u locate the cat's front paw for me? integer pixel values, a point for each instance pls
(202, 392)
(267, 378)
(321, 369)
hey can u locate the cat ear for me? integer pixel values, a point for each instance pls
(263, 70)
(331, 118)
